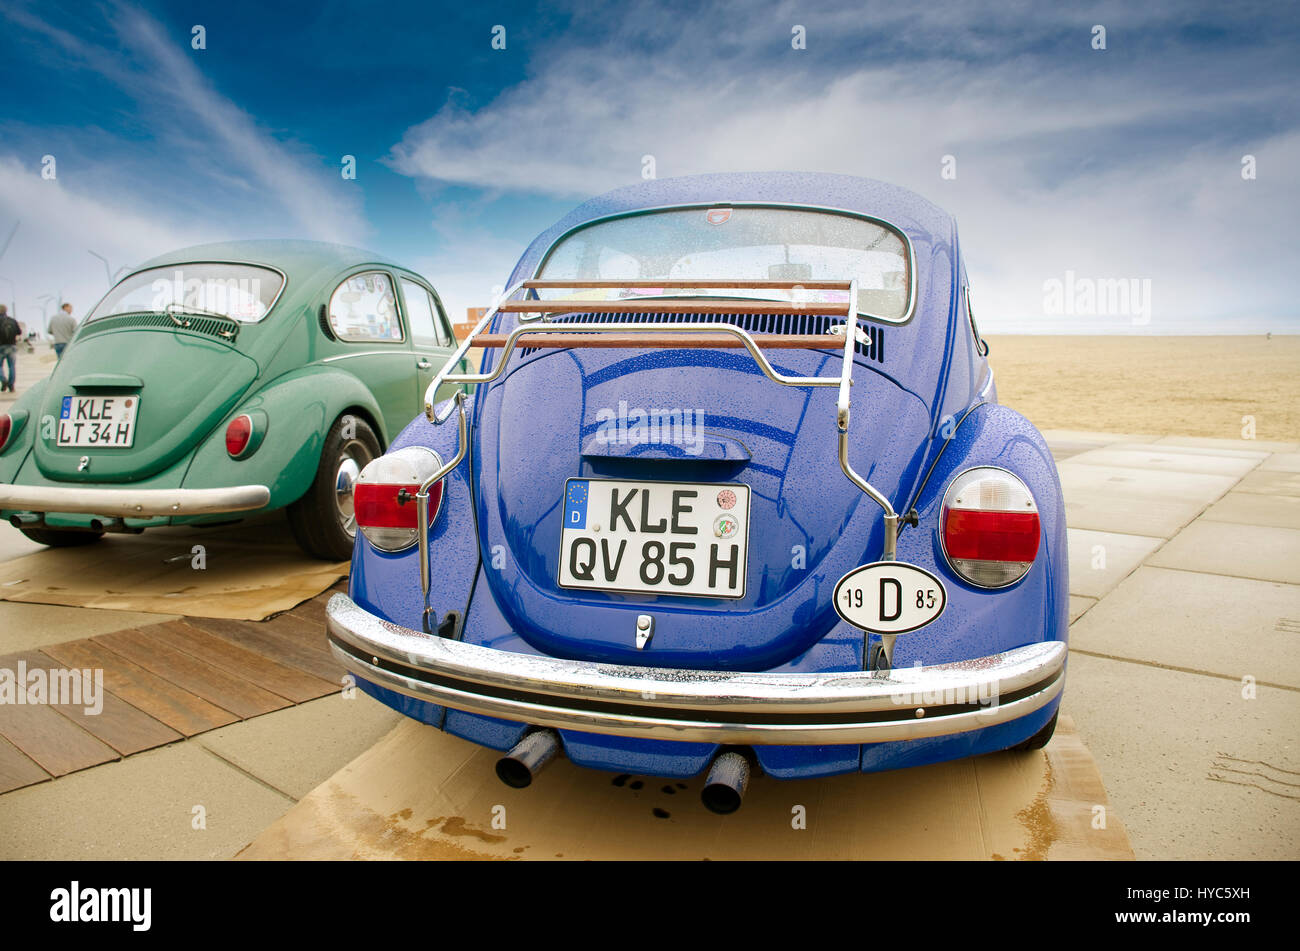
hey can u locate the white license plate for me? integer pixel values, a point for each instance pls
(655, 537)
(104, 421)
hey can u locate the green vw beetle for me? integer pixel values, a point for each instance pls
(223, 380)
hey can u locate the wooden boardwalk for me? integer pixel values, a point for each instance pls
(163, 683)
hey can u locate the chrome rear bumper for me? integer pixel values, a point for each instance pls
(698, 705)
(132, 503)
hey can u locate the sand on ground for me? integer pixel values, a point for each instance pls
(1181, 386)
(1186, 386)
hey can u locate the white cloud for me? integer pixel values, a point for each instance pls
(317, 202)
(57, 227)
(1084, 167)
(230, 178)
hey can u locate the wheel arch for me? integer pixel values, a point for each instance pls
(300, 407)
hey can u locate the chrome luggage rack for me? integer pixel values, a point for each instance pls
(547, 334)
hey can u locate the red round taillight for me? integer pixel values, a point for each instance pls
(383, 497)
(989, 527)
(238, 435)
(6, 427)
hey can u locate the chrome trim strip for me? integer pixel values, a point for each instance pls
(707, 706)
(128, 503)
(373, 353)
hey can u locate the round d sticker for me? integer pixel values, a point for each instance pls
(889, 597)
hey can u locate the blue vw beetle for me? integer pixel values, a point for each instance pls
(731, 491)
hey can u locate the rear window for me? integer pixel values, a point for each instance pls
(751, 243)
(242, 291)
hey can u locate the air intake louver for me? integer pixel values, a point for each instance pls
(754, 323)
(220, 329)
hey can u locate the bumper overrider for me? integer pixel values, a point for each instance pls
(697, 705)
(132, 503)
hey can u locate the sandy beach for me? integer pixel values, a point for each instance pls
(1158, 385)
(1187, 386)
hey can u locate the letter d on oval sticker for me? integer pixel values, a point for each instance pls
(889, 597)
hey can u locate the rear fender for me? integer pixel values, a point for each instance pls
(13, 456)
(299, 409)
(979, 621)
(389, 584)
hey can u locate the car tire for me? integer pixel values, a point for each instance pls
(57, 539)
(322, 520)
(1039, 739)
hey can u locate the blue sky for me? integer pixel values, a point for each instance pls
(1072, 163)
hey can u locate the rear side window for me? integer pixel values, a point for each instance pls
(980, 344)
(364, 309)
(426, 328)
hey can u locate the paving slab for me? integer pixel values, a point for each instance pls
(141, 807)
(1243, 551)
(1061, 452)
(1256, 508)
(1206, 442)
(1100, 560)
(1136, 501)
(1266, 482)
(14, 544)
(1079, 605)
(1282, 462)
(29, 626)
(1096, 438)
(1170, 460)
(1244, 451)
(1194, 768)
(297, 750)
(1223, 626)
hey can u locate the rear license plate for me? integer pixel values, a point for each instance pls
(655, 537)
(103, 421)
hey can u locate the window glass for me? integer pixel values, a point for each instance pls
(242, 291)
(426, 328)
(980, 345)
(363, 308)
(751, 243)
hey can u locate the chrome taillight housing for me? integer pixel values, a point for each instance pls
(989, 527)
(384, 497)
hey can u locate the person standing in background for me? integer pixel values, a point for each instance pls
(63, 327)
(9, 334)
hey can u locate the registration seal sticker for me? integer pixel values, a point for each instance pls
(725, 526)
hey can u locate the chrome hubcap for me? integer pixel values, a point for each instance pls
(345, 480)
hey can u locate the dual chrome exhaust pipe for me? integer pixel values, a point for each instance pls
(724, 786)
(527, 758)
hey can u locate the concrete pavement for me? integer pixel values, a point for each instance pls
(1184, 679)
